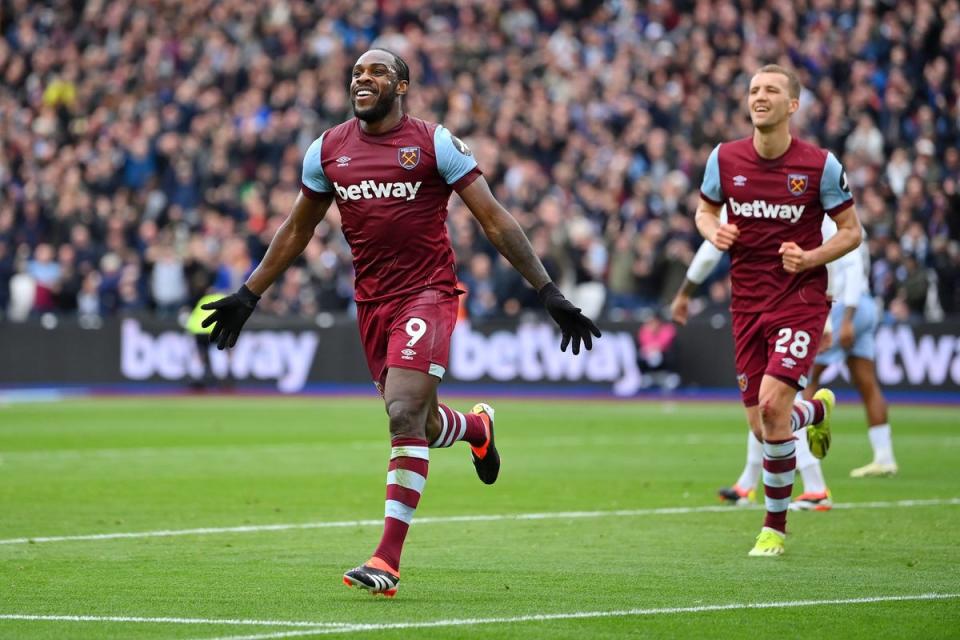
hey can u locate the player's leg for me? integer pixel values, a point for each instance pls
(409, 396)
(743, 491)
(863, 374)
(815, 496)
(816, 406)
(447, 426)
(806, 412)
(779, 463)
(749, 361)
(792, 336)
(421, 340)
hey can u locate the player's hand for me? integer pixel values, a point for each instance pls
(794, 258)
(679, 308)
(574, 326)
(846, 334)
(229, 315)
(725, 235)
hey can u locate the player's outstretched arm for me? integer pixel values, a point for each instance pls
(230, 313)
(702, 265)
(721, 235)
(847, 238)
(510, 240)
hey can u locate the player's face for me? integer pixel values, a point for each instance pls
(375, 86)
(769, 101)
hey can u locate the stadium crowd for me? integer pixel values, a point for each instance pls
(150, 149)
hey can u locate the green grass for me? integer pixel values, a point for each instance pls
(139, 465)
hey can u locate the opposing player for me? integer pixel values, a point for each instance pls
(391, 176)
(777, 190)
(855, 317)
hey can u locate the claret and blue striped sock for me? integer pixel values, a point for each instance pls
(779, 467)
(456, 426)
(406, 478)
(806, 413)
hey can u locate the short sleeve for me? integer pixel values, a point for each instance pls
(835, 194)
(313, 181)
(710, 188)
(455, 161)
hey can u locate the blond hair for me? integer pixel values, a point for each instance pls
(793, 82)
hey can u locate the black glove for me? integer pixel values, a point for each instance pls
(228, 316)
(573, 325)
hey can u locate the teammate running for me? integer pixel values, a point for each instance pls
(816, 496)
(777, 190)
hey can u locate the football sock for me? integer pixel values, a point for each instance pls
(751, 471)
(809, 467)
(881, 440)
(406, 477)
(456, 426)
(779, 465)
(805, 413)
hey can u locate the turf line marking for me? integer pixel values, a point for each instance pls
(555, 515)
(138, 619)
(325, 628)
(579, 615)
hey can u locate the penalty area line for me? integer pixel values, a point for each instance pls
(552, 515)
(581, 615)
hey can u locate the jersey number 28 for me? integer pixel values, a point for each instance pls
(798, 348)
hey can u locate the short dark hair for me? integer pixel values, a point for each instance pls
(403, 70)
(793, 82)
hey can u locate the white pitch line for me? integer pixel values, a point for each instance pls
(139, 619)
(554, 515)
(326, 628)
(579, 615)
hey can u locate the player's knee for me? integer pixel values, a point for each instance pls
(406, 419)
(770, 411)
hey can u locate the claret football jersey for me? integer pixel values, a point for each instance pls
(392, 191)
(772, 202)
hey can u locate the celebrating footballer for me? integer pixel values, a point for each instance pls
(391, 176)
(777, 189)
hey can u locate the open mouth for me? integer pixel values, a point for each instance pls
(364, 94)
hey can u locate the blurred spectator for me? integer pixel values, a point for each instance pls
(45, 272)
(168, 283)
(655, 355)
(481, 298)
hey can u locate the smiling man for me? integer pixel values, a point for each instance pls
(391, 176)
(777, 190)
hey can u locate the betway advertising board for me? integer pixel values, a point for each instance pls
(291, 356)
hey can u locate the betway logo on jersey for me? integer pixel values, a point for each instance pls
(369, 189)
(763, 209)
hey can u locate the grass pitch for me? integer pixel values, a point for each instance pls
(647, 553)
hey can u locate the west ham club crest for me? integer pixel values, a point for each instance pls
(797, 183)
(409, 157)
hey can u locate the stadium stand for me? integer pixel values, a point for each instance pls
(150, 149)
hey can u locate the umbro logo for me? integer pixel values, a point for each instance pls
(343, 161)
(739, 181)
(789, 362)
